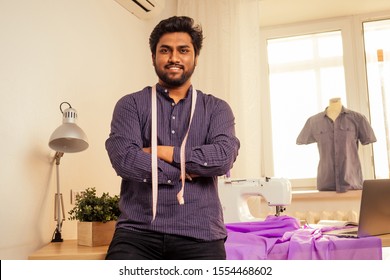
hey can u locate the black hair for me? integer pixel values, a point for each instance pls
(177, 24)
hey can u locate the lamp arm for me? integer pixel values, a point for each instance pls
(57, 235)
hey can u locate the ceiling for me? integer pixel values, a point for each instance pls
(274, 12)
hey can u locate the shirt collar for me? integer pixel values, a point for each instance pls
(165, 92)
(343, 111)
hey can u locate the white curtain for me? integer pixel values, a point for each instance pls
(229, 68)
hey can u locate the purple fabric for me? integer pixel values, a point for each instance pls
(282, 238)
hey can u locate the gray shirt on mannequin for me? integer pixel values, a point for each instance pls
(339, 167)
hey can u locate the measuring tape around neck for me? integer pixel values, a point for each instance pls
(180, 195)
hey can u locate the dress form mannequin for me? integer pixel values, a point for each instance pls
(334, 108)
(339, 167)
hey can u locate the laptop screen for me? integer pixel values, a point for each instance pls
(374, 217)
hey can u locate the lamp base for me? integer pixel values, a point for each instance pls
(57, 237)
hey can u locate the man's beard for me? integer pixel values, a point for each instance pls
(176, 82)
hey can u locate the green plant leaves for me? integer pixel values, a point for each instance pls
(91, 208)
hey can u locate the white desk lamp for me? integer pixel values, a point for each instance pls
(67, 138)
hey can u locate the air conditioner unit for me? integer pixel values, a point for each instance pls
(143, 9)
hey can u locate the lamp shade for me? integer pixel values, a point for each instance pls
(68, 137)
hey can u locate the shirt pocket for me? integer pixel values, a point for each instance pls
(322, 134)
(347, 127)
(348, 131)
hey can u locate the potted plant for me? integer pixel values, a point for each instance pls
(96, 216)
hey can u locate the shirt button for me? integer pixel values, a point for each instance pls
(173, 104)
(169, 181)
(173, 117)
(145, 180)
(205, 164)
(173, 132)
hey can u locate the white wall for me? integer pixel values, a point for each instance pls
(86, 52)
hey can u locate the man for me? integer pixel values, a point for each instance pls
(195, 143)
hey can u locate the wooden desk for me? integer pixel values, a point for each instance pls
(385, 240)
(69, 250)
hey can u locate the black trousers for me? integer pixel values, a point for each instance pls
(130, 245)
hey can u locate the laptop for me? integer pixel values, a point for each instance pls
(374, 217)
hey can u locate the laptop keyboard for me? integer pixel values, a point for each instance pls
(350, 232)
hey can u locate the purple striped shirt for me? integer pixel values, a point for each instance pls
(211, 150)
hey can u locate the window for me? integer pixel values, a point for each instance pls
(304, 73)
(307, 65)
(377, 52)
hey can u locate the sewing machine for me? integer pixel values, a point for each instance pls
(234, 195)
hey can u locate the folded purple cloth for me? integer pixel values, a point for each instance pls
(283, 238)
(255, 240)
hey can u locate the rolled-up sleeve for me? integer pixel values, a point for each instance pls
(125, 143)
(216, 155)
